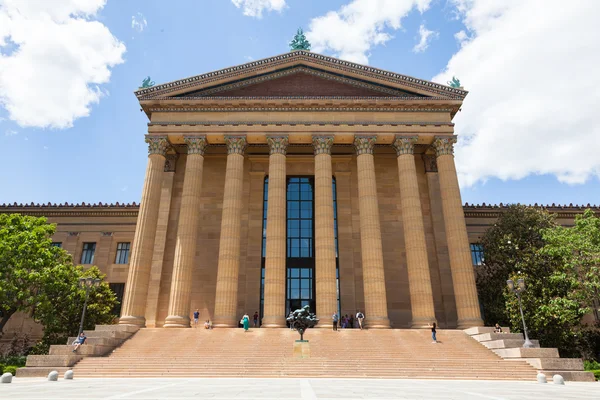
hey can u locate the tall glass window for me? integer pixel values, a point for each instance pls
(87, 255)
(477, 254)
(300, 262)
(122, 256)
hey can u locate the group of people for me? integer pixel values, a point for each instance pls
(207, 323)
(347, 322)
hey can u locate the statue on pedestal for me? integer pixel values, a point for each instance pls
(302, 319)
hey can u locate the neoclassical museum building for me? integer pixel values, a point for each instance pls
(295, 180)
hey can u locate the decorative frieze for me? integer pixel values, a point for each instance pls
(404, 144)
(322, 144)
(195, 144)
(430, 162)
(171, 162)
(444, 145)
(157, 145)
(278, 144)
(106, 234)
(364, 144)
(236, 144)
(73, 234)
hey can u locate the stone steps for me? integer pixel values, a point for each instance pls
(348, 353)
(509, 346)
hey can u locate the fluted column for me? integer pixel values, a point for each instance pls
(376, 315)
(136, 292)
(325, 275)
(274, 302)
(229, 245)
(463, 277)
(187, 235)
(419, 280)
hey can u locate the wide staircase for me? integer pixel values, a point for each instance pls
(269, 353)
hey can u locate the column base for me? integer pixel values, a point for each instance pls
(377, 323)
(469, 323)
(131, 320)
(226, 322)
(273, 322)
(177, 321)
(421, 323)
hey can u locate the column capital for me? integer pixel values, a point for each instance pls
(157, 145)
(364, 144)
(322, 144)
(404, 144)
(195, 144)
(444, 145)
(236, 144)
(278, 144)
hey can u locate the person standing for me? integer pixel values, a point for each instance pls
(246, 322)
(433, 332)
(255, 318)
(351, 321)
(291, 323)
(196, 316)
(360, 317)
(335, 319)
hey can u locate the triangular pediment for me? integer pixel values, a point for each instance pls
(300, 74)
(300, 81)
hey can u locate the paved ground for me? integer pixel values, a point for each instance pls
(130, 388)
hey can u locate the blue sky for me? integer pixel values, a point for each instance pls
(507, 153)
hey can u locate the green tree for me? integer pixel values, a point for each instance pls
(509, 245)
(41, 280)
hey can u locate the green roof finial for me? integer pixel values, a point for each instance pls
(146, 83)
(299, 42)
(455, 83)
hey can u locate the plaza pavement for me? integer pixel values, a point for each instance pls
(302, 388)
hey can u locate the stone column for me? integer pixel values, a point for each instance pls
(136, 291)
(325, 275)
(419, 280)
(376, 315)
(275, 270)
(463, 277)
(229, 245)
(187, 235)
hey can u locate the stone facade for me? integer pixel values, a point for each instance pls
(196, 241)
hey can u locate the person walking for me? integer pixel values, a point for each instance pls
(255, 319)
(335, 319)
(360, 317)
(196, 316)
(246, 322)
(433, 332)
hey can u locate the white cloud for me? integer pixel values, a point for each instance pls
(10, 132)
(53, 56)
(461, 37)
(254, 8)
(355, 28)
(425, 37)
(532, 73)
(138, 22)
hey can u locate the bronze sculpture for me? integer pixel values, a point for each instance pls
(302, 319)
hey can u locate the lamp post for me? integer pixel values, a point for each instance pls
(86, 283)
(517, 290)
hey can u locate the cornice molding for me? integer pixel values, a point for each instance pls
(306, 123)
(300, 108)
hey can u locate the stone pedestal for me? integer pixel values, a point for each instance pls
(325, 274)
(229, 244)
(419, 280)
(136, 291)
(301, 349)
(274, 303)
(376, 315)
(463, 275)
(187, 235)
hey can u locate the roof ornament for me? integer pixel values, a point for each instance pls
(299, 42)
(146, 83)
(455, 83)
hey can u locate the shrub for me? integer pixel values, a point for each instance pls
(19, 361)
(2, 367)
(12, 369)
(597, 374)
(591, 365)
